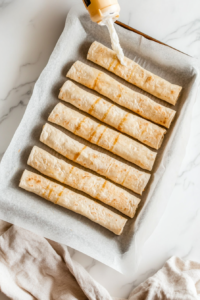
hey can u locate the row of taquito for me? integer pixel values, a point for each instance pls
(96, 133)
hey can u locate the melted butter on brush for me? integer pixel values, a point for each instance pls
(109, 22)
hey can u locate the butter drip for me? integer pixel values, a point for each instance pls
(109, 22)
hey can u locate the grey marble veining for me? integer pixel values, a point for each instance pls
(29, 31)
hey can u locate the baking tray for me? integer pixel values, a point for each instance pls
(37, 215)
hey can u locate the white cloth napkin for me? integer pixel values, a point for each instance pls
(177, 280)
(32, 267)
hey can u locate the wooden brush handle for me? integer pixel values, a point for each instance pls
(145, 35)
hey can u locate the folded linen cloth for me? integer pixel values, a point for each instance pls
(177, 280)
(32, 267)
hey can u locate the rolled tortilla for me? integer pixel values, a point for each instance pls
(121, 94)
(136, 127)
(86, 182)
(102, 136)
(79, 204)
(101, 163)
(134, 73)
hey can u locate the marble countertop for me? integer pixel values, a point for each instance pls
(29, 30)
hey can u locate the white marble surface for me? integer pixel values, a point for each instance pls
(29, 30)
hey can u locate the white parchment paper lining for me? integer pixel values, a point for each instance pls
(37, 215)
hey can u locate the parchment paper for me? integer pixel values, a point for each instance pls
(56, 223)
